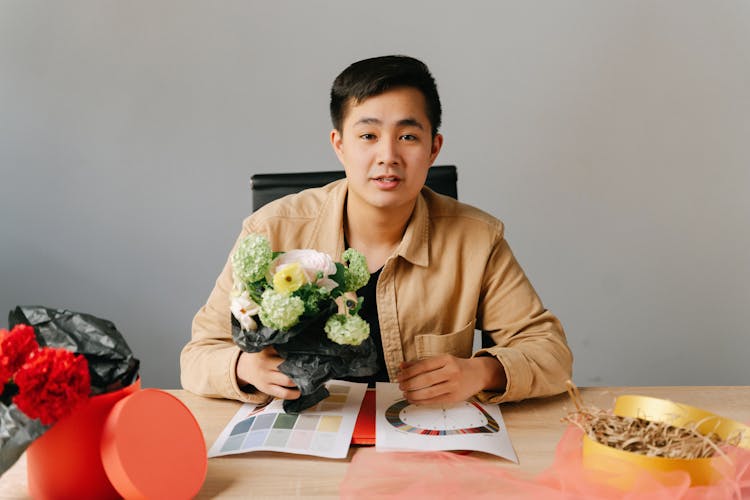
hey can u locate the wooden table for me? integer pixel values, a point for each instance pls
(535, 428)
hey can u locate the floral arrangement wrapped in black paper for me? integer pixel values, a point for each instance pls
(291, 300)
(51, 361)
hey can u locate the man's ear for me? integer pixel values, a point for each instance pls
(437, 144)
(337, 145)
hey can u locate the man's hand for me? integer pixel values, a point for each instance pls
(448, 379)
(261, 369)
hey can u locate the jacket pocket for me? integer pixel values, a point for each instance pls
(458, 343)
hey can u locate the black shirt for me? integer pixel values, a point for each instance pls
(369, 312)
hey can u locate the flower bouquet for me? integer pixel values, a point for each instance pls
(51, 361)
(302, 303)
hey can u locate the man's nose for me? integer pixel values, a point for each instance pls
(388, 153)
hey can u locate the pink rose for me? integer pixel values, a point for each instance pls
(311, 261)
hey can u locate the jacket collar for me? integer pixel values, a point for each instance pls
(328, 235)
(415, 245)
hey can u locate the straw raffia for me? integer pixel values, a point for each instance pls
(637, 435)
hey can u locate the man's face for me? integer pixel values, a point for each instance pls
(386, 147)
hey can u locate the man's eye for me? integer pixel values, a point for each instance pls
(367, 137)
(408, 137)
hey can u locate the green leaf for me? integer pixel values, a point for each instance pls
(339, 278)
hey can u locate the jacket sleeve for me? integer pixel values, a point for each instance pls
(529, 340)
(208, 362)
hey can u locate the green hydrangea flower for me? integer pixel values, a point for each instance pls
(356, 275)
(280, 312)
(251, 259)
(313, 297)
(346, 329)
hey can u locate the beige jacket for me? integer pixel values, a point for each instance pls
(453, 272)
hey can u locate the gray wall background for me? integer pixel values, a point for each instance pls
(611, 137)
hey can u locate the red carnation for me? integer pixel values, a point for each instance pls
(15, 346)
(51, 384)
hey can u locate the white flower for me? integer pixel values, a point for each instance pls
(243, 308)
(327, 283)
(312, 263)
(238, 286)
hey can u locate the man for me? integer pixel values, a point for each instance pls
(439, 268)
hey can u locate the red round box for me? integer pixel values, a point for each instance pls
(129, 443)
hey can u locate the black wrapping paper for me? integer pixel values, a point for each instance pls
(17, 432)
(310, 358)
(112, 365)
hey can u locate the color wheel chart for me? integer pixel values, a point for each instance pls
(464, 418)
(323, 430)
(466, 425)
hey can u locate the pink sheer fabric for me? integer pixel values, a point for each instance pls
(375, 474)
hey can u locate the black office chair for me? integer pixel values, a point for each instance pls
(268, 187)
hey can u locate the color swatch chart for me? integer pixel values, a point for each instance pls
(324, 430)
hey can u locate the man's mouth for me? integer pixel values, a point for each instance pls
(387, 182)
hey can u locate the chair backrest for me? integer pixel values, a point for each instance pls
(268, 187)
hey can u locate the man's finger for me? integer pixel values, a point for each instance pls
(283, 392)
(413, 368)
(278, 378)
(437, 393)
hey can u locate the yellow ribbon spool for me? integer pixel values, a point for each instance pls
(622, 466)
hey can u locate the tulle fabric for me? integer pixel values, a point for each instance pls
(373, 474)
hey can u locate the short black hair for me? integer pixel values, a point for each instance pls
(371, 77)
